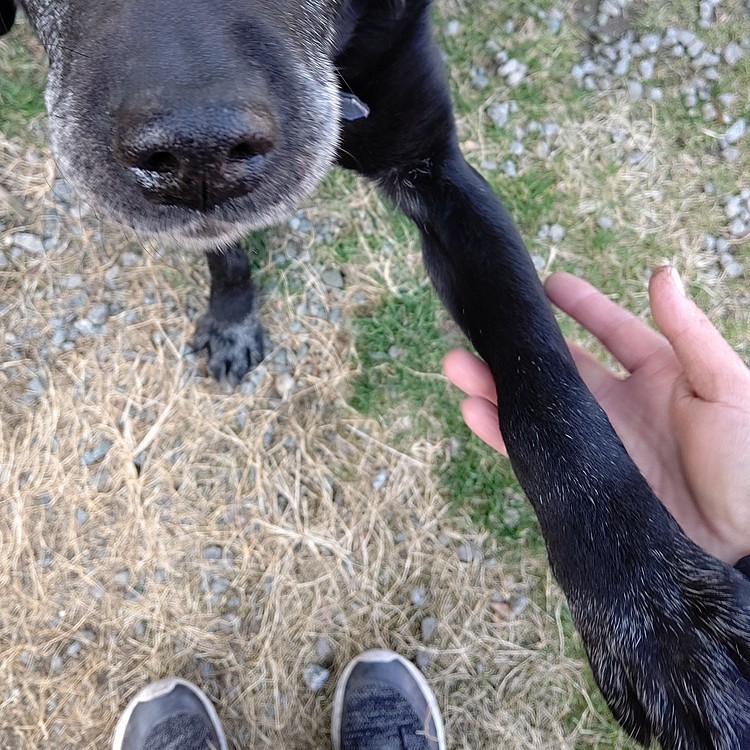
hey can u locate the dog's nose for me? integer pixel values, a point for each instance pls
(197, 156)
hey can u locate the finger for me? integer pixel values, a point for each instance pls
(481, 418)
(712, 367)
(470, 374)
(597, 377)
(627, 338)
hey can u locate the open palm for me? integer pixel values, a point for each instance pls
(683, 412)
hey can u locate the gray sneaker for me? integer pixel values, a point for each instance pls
(383, 702)
(170, 714)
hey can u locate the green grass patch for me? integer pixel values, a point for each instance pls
(21, 82)
(476, 478)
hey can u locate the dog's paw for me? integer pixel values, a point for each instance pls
(672, 654)
(233, 349)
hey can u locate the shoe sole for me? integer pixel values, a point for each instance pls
(157, 690)
(382, 655)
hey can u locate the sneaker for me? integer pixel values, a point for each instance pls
(383, 702)
(170, 714)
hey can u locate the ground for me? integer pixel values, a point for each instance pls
(155, 523)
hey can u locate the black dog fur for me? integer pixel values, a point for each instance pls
(665, 625)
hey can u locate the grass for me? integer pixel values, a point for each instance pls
(21, 84)
(413, 322)
(284, 486)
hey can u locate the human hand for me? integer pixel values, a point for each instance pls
(683, 413)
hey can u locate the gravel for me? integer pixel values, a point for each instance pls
(97, 452)
(619, 59)
(325, 652)
(423, 660)
(379, 480)
(315, 677)
(122, 578)
(428, 627)
(213, 552)
(469, 552)
(333, 278)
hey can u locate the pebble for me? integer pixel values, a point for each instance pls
(130, 259)
(97, 453)
(509, 167)
(300, 223)
(646, 69)
(722, 245)
(655, 94)
(73, 281)
(284, 384)
(732, 53)
(732, 268)
(518, 604)
(731, 154)
(219, 585)
(423, 659)
(452, 28)
(513, 71)
(733, 206)
(429, 626)
(499, 113)
(418, 596)
(98, 313)
(479, 78)
(379, 480)
(213, 552)
(469, 552)
(84, 326)
(736, 131)
(651, 43)
(325, 652)
(556, 233)
(315, 677)
(333, 278)
(122, 578)
(28, 242)
(708, 112)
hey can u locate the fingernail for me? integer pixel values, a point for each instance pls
(677, 281)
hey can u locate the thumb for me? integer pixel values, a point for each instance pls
(713, 369)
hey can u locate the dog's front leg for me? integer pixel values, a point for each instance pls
(230, 331)
(666, 626)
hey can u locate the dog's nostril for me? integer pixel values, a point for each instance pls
(249, 150)
(162, 162)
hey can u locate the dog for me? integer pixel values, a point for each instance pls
(200, 121)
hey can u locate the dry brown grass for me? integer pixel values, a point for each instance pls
(283, 487)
